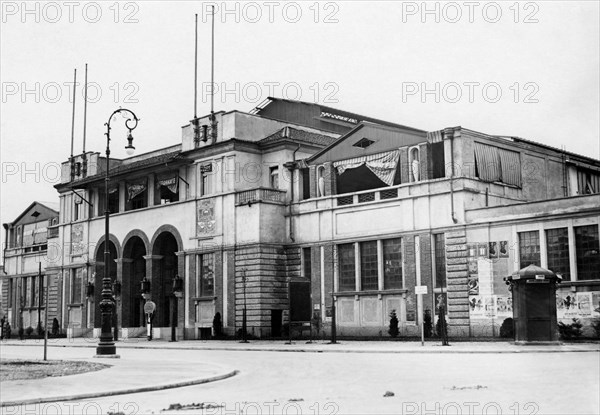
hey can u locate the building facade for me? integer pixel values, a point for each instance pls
(23, 281)
(362, 209)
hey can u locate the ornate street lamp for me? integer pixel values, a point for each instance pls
(106, 345)
(177, 293)
(116, 286)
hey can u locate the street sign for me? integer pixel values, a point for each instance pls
(420, 289)
(149, 307)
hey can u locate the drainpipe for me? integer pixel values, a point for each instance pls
(291, 167)
(449, 132)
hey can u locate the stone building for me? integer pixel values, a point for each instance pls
(25, 259)
(362, 209)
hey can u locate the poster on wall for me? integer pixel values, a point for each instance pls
(493, 250)
(489, 307)
(504, 306)
(577, 305)
(595, 303)
(500, 270)
(476, 306)
(503, 249)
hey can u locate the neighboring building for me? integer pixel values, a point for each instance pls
(361, 208)
(25, 262)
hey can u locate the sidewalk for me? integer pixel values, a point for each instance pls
(320, 346)
(130, 374)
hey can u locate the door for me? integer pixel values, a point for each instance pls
(538, 312)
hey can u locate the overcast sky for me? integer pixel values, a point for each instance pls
(528, 69)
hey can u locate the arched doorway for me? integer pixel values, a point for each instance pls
(164, 269)
(134, 271)
(99, 271)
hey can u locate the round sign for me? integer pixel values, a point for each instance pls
(149, 307)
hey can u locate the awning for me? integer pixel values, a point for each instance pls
(169, 180)
(510, 164)
(435, 136)
(498, 165)
(135, 188)
(488, 162)
(383, 165)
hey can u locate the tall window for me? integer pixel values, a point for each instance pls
(76, 285)
(10, 293)
(205, 182)
(392, 263)
(368, 266)
(557, 243)
(34, 292)
(305, 184)
(437, 160)
(439, 245)
(205, 286)
(137, 194)
(113, 200)
(306, 263)
(27, 291)
(346, 267)
(529, 248)
(274, 177)
(588, 252)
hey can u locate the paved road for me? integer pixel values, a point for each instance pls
(330, 383)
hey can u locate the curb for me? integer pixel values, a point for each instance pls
(429, 350)
(120, 391)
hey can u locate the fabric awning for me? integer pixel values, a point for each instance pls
(435, 136)
(510, 164)
(169, 180)
(135, 188)
(383, 165)
(496, 164)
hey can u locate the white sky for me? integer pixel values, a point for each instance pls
(364, 57)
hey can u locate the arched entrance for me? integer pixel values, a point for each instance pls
(164, 269)
(134, 271)
(99, 271)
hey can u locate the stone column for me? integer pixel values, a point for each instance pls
(458, 293)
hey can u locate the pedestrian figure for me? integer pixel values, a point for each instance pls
(55, 327)
(2, 328)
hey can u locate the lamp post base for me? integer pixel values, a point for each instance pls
(107, 350)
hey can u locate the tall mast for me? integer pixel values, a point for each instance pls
(71, 159)
(85, 121)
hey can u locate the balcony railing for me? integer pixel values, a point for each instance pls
(260, 194)
(368, 196)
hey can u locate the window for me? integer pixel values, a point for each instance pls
(347, 281)
(363, 143)
(167, 188)
(438, 165)
(77, 206)
(10, 293)
(305, 184)
(113, 200)
(137, 194)
(274, 177)
(306, 263)
(529, 248)
(205, 182)
(557, 244)
(588, 181)
(205, 286)
(34, 293)
(587, 250)
(392, 263)
(368, 266)
(76, 285)
(439, 246)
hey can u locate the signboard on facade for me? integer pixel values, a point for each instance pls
(420, 289)
(206, 217)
